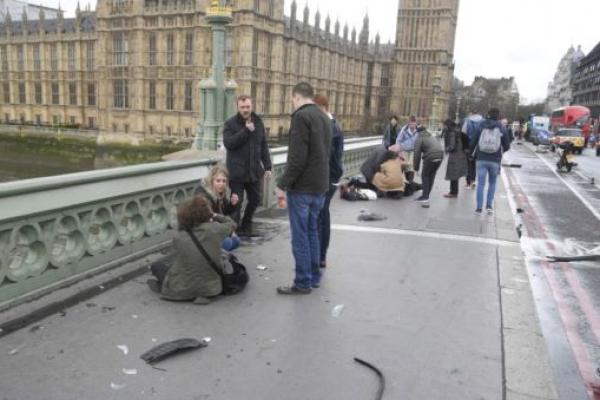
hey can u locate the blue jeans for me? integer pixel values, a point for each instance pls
(230, 243)
(325, 223)
(303, 212)
(483, 169)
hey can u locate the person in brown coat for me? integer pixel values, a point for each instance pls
(390, 177)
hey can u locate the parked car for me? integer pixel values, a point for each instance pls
(542, 137)
(571, 135)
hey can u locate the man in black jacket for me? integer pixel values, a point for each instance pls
(248, 160)
(306, 180)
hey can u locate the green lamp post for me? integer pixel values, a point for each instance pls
(215, 94)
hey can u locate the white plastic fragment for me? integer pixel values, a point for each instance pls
(123, 348)
(131, 371)
(134, 316)
(15, 350)
(207, 339)
(261, 267)
(154, 340)
(116, 386)
(337, 310)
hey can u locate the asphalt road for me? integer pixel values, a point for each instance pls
(561, 216)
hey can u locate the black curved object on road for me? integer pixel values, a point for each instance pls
(381, 389)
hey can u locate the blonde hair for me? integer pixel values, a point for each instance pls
(214, 171)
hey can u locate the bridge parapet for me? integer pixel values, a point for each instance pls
(57, 230)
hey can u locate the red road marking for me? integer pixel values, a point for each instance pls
(536, 229)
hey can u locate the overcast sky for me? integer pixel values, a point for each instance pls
(521, 38)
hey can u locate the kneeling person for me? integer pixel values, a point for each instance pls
(190, 277)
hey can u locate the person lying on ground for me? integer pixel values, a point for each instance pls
(190, 276)
(215, 189)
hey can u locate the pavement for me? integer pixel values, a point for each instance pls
(438, 299)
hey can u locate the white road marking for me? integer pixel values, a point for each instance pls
(407, 232)
(571, 188)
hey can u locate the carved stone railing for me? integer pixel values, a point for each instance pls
(57, 230)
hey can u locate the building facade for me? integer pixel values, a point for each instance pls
(485, 93)
(133, 66)
(586, 82)
(560, 89)
(17, 7)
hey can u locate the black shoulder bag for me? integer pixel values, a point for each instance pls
(232, 283)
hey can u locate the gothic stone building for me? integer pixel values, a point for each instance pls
(133, 66)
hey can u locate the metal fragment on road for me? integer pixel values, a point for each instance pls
(117, 386)
(131, 371)
(337, 310)
(123, 348)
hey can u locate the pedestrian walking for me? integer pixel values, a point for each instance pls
(248, 160)
(407, 139)
(391, 132)
(490, 142)
(469, 128)
(432, 152)
(457, 149)
(305, 182)
(336, 170)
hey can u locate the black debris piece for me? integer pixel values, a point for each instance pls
(167, 349)
(369, 216)
(373, 368)
(589, 257)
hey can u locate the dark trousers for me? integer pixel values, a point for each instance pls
(454, 187)
(472, 170)
(253, 190)
(325, 223)
(160, 268)
(428, 176)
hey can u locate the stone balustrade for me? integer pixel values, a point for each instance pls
(57, 230)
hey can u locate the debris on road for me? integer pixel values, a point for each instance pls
(337, 310)
(116, 386)
(15, 350)
(373, 368)
(167, 349)
(370, 216)
(261, 267)
(512, 165)
(207, 339)
(123, 348)
(131, 371)
(588, 257)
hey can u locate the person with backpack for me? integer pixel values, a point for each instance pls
(469, 128)
(489, 143)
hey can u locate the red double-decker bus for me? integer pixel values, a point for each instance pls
(571, 117)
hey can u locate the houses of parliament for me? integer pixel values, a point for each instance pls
(133, 66)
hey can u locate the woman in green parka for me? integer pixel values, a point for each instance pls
(190, 277)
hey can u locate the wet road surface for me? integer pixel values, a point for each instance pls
(561, 216)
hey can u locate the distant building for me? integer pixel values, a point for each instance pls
(560, 92)
(15, 9)
(133, 66)
(586, 82)
(486, 93)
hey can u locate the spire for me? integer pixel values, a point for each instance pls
(353, 35)
(306, 13)
(364, 32)
(345, 31)
(59, 21)
(293, 11)
(8, 23)
(337, 27)
(327, 24)
(41, 18)
(317, 20)
(25, 29)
